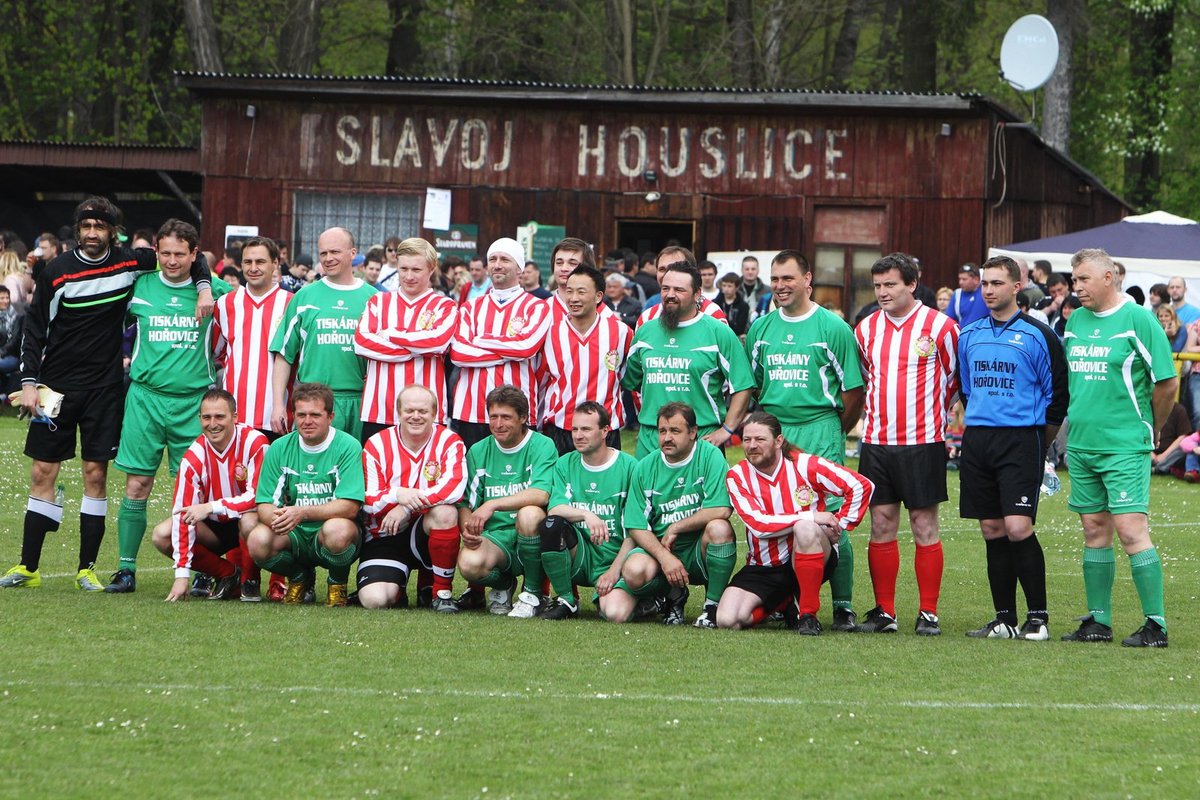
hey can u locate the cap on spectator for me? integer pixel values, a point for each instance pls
(969, 268)
(358, 260)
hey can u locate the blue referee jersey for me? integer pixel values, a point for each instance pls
(1012, 374)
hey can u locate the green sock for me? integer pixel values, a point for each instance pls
(655, 587)
(497, 579)
(841, 583)
(719, 560)
(557, 565)
(1099, 570)
(338, 564)
(284, 563)
(131, 527)
(1146, 568)
(529, 550)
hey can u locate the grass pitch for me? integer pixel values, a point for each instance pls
(127, 693)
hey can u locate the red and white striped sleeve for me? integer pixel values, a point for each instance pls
(450, 454)
(373, 338)
(854, 489)
(463, 350)
(251, 447)
(761, 522)
(518, 344)
(949, 358)
(377, 456)
(190, 489)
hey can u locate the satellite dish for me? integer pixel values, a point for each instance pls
(1029, 53)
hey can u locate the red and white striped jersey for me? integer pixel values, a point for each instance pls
(438, 469)
(497, 344)
(706, 307)
(588, 366)
(244, 326)
(403, 341)
(226, 479)
(909, 369)
(800, 485)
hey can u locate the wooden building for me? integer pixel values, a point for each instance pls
(844, 177)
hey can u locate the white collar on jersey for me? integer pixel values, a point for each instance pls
(502, 296)
(524, 440)
(806, 315)
(680, 464)
(322, 447)
(613, 455)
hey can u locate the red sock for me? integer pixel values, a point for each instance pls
(758, 615)
(928, 563)
(810, 569)
(209, 563)
(883, 558)
(250, 570)
(443, 553)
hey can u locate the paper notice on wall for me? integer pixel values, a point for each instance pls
(437, 209)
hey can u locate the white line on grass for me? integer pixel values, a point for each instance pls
(638, 697)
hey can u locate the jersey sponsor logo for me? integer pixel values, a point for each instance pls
(508, 469)
(790, 338)
(340, 304)
(803, 496)
(174, 302)
(924, 347)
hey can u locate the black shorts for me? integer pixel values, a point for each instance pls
(96, 413)
(372, 428)
(226, 532)
(1000, 472)
(566, 444)
(389, 559)
(270, 434)
(772, 585)
(913, 474)
(470, 432)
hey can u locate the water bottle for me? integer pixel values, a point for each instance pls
(60, 494)
(1050, 481)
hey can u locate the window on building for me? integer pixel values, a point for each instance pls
(848, 240)
(372, 218)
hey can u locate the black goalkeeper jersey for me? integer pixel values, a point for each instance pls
(74, 326)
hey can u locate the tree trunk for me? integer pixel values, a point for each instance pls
(918, 38)
(774, 29)
(298, 38)
(846, 47)
(744, 62)
(660, 10)
(886, 54)
(620, 54)
(404, 48)
(1150, 40)
(1066, 16)
(202, 35)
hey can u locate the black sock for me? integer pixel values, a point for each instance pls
(1030, 564)
(1002, 577)
(41, 517)
(91, 534)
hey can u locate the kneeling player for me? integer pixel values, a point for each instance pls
(781, 494)
(509, 484)
(414, 474)
(678, 515)
(213, 508)
(583, 538)
(309, 495)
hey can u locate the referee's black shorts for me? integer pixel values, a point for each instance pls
(95, 413)
(1000, 472)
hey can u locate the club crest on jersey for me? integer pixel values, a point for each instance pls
(240, 473)
(924, 347)
(612, 360)
(425, 321)
(174, 302)
(803, 496)
(516, 325)
(340, 304)
(432, 471)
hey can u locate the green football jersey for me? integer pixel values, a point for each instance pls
(493, 472)
(294, 474)
(172, 350)
(689, 364)
(662, 493)
(318, 328)
(803, 364)
(1114, 359)
(600, 490)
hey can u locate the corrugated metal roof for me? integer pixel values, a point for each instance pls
(41, 153)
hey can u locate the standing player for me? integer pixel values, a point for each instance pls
(1123, 384)
(72, 343)
(684, 355)
(667, 257)
(246, 320)
(499, 334)
(213, 508)
(403, 335)
(805, 363)
(569, 255)
(508, 484)
(678, 515)
(171, 367)
(583, 536)
(1013, 380)
(318, 332)
(908, 353)
(782, 495)
(583, 359)
(415, 474)
(309, 494)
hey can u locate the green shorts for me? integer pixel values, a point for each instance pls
(155, 422)
(1115, 482)
(506, 540)
(304, 548)
(647, 439)
(690, 553)
(822, 437)
(586, 564)
(347, 413)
